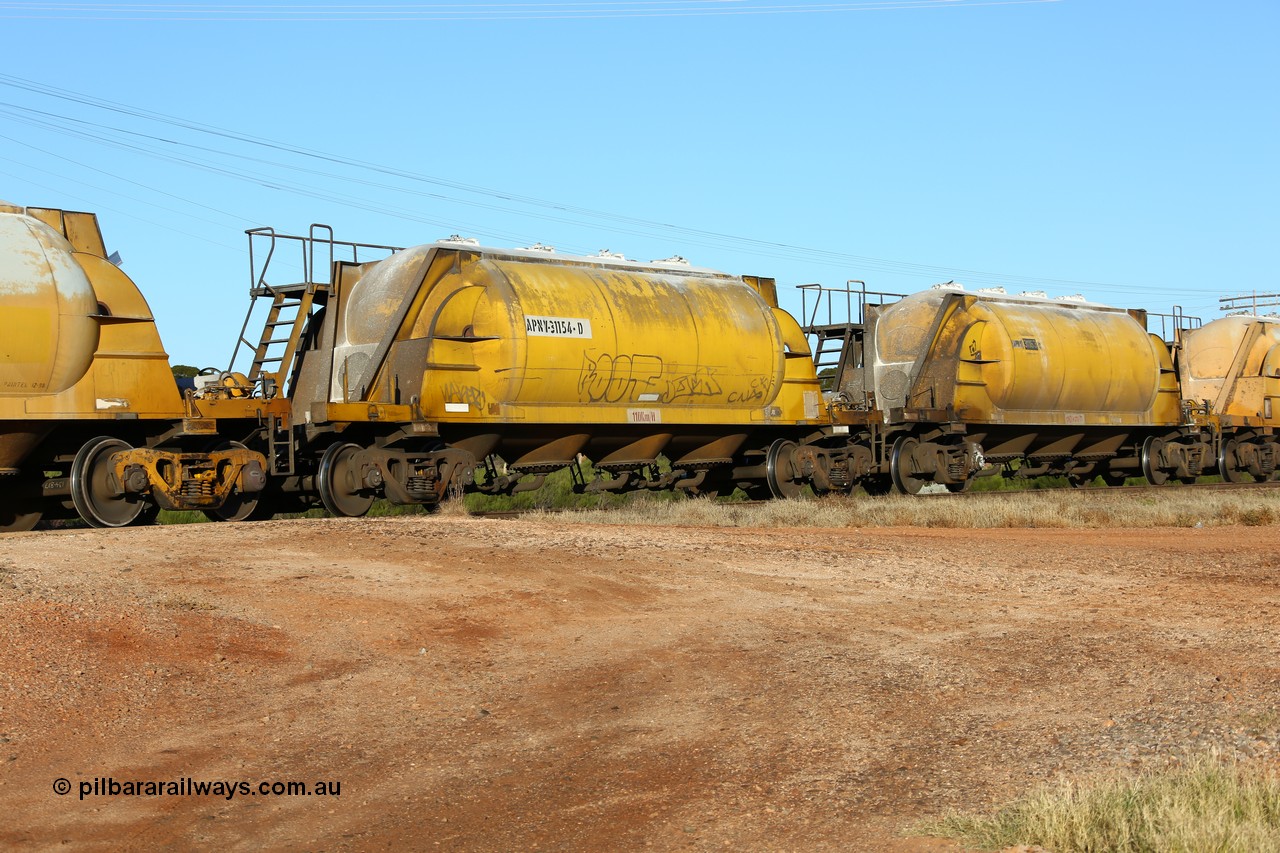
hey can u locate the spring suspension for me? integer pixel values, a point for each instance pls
(420, 485)
(197, 490)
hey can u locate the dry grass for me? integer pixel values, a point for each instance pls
(1207, 806)
(452, 507)
(1092, 508)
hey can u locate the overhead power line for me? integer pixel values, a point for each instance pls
(393, 12)
(230, 163)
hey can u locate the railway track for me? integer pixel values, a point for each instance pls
(1224, 487)
(1033, 494)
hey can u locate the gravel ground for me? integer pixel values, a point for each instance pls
(515, 684)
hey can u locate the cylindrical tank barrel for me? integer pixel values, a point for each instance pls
(1046, 357)
(527, 332)
(48, 333)
(1011, 355)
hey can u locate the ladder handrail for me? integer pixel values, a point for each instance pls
(1175, 322)
(309, 262)
(256, 280)
(317, 244)
(822, 293)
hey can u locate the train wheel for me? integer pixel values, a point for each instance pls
(778, 470)
(238, 506)
(1227, 462)
(900, 467)
(1151, 459)
(339, 484)
(96, 494)
(1114, 478)
(957, 488)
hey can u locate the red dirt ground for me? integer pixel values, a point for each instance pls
(492, 684)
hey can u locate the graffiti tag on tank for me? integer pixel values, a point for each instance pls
(611, 378)
(455, 392)
(753, 394)
(700, 383)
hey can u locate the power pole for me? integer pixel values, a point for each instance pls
(1248, 303)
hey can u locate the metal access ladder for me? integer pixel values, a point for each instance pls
(830, 344)
(290, 308)
(288, 316)
(281, 333)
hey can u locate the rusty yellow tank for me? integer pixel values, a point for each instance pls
(991, 358)
(48, 330)
(1231, 370)
(480, 335)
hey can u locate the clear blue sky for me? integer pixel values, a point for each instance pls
(1123, 150)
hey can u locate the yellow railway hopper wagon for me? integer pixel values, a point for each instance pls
(1230, 372)
(943, 385)
(91, 420)
(451, 364)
